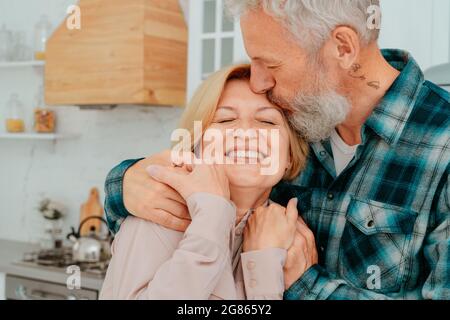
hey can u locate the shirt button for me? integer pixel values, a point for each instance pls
(238, 232)
(253, 283)
(330, 196)
(322, 153)
(250, 265)
(370, 224)
(322, 249)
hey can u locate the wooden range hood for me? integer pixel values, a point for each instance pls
(126, 52)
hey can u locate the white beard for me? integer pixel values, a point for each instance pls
(316, 112)
(315, 117)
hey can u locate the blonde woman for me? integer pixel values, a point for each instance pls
(220, 255)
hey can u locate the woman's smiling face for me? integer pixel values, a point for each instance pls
(254, 137)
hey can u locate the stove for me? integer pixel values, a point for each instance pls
(60, 259)
(56, 260)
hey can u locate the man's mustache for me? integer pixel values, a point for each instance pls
(282, 103)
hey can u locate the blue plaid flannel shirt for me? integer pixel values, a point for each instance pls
(382, 226)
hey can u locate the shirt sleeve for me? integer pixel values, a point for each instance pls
(114, 207)
(145, 266)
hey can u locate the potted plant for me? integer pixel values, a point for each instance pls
(52, 212)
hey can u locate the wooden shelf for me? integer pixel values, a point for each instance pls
(22, 64)
(37, 136)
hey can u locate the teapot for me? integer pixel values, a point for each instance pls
(92, 248)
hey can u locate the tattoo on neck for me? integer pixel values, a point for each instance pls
(374, 84)
(354, 72)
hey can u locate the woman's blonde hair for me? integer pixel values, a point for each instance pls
(204, 103)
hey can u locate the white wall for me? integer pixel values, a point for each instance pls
(419, 26)
(31, 170)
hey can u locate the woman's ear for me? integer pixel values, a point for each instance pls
(345, 46)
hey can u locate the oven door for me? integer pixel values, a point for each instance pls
(18, 288)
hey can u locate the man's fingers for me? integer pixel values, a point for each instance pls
(304, 230)
(186, 160)
(165, 175)
(174, 207)
(291, 211)
(165, 219)
(300, 220)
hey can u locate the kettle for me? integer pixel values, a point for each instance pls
(91, 248)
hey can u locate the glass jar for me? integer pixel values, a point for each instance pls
(19, 48)
(42, 32)
(44, 118)
(15, 115)
(5, 44)
(53, 235)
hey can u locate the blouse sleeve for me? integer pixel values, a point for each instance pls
(152, 262)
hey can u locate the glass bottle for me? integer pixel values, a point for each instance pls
(42, 32)
(15, 115)
(44, 119)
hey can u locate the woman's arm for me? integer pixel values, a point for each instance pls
(263, 273)
(148, 264)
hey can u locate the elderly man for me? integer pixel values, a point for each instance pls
(376, 190)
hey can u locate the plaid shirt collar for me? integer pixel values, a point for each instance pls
(391, 115)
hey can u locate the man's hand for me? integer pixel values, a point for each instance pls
(151, 200)
(271, 227)
(301, 255)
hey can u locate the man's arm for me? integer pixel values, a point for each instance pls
(114, 207)
(129, 190)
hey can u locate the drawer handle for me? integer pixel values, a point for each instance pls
(21, 293)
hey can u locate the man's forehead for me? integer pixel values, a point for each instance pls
(263, 33)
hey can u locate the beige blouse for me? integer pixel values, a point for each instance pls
(205, 262)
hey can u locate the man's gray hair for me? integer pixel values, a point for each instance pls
(312, 21)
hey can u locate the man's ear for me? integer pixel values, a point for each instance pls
(346, 46)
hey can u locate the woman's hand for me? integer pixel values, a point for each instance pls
(271, 227)
(202, 178)
(301, 255)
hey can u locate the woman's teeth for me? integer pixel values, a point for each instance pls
(242, 154)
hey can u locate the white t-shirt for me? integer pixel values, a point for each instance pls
(342, 153)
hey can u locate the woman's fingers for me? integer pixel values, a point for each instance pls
(292, 212)
(170, 177)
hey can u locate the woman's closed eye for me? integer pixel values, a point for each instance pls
(268, 122)
(228, 120)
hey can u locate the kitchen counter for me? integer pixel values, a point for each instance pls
(13, 251)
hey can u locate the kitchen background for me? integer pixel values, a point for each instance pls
(88, 142)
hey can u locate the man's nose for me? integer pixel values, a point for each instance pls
(261, 82)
